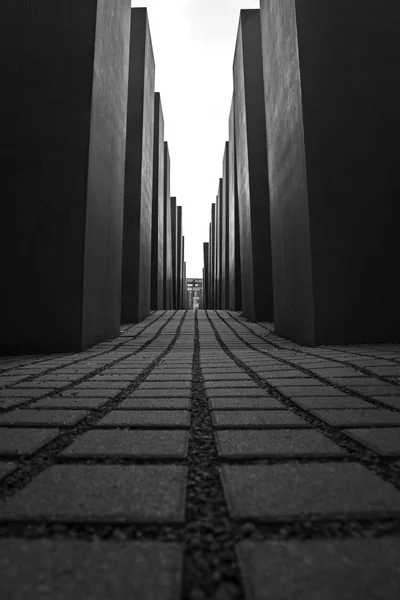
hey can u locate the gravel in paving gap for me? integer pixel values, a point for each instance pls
(26, 471)
(210, 566)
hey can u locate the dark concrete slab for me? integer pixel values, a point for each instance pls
(136, 260)
(333, 569)
(225, 229)
(157, 229)
(174, 245)
(62, 159)
(167, 231)
(206, 282)
(384, 441)
(151, 419)
(71, 569)
(219, 251)
(179, 258)
(334, 203)
(235, 277)
(213, 258)
(42, 418)
(24, 441)
(252, 170)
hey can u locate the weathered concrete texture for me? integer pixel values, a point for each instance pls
(183, 283)
(219, 215)
(157, 231)
(185, 305)
(334, 176)
(206, 246)
(167, 231)
(174, 242)
(62, 153)
(136, 260)
(252, 170)
(225, 230)
(235, 275)
(179, 263)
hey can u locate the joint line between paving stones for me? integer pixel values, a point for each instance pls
(368, 458)
(210, 562)
(47, 455)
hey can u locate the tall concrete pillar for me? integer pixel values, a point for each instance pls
(225, 230)
(136, 258)
(235, 275)
(167, 232)
(185, 290)
(182, 272)
(157, 232)
(220, 203)
(174, 243)
(332, 95)
(63, 106)
(179, 268)
(252, 171)
(213, 259)
(210, 268)
(205, 276)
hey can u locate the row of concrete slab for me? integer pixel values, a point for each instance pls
(305, 231)
(89, 233)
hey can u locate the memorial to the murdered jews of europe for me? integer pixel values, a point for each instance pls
(231, 436)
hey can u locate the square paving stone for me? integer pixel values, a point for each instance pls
(331, 402)
(27, 394)
(243, 403)
(354, 417)
(335, 569)
(393, 401)
(142, 493)
(312, 390)
(38, 384)
(88, 394)
(160, 377)
(376, 390)
(166, 385)
(65, 403)
(24, 441)
(47, 418)
(257, 418)
(234, 376)
(69, 570)
(292, 382)
(5, 469)
(130, 444)
(228, 385)
(154, 404)
(275, 444)
(385, 440)
(170, 393)
(6, 403)
(296, 490)
(255, 392)
(146, 418)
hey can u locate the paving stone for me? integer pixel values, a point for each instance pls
(171, 393)
(333, 569)
(234, 376)
(297, 490)
(46, 418)
(314, 390)
(102, 493)
(339, 371)
(257, 418)
(6, 403)
(69, 402)
(283, 374)
(131, 444)
(376, 390)
(24, 441)
(98, 385)
(393, 401)
(331, 402)
(5, 469)
(146, 418)
(158, 377)
(154, 404)
(275, 444)
(292, 382)
(255, 392)
(21, 393)
(243, 403)
(88, 394)
(361, 380)
(166, 385)
(358, 417)
(39, 384)
(67, 570)
(385, 441)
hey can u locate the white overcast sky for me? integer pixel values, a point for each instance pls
(194, 43)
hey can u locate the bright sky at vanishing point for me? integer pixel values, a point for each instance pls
(194, 43)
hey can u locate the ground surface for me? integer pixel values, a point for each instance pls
(199, 456)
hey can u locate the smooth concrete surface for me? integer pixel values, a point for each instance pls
(179, 264)
(235, 277)
(252, 171)
(332, 93)
(206, 275)
(213, 258)
(210, 270)
(174, 242)
(219, 242)
(183, 285)
(136, 259)
(225, 230)
(157, 230)
(63, 107)
(167, 231)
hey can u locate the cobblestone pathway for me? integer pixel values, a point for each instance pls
(199, 456)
